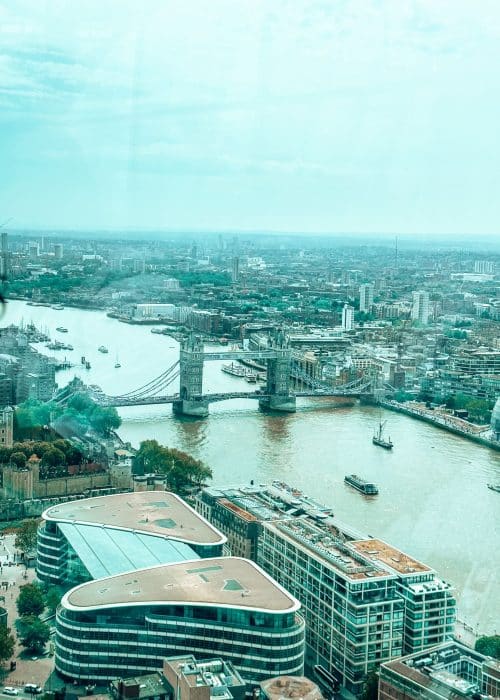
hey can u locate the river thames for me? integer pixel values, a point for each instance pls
(433, 498)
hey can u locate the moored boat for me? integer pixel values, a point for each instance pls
(103, 349)
(62, 329)
(234, 370)
(367, 488)
(494, 487)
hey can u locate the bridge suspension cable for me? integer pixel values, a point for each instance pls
(151, 384)
(153, 390)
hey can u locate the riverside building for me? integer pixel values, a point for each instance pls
(220, 607)
(364, 601)
(95, 537)
(449, 670)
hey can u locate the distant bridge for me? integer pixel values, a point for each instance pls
(276, 396)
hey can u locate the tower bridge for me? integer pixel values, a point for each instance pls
(276, 395)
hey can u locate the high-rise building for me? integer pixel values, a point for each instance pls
(484, 267)
(58, 251)
(4, 259)
(363, 600)
(347, 318)
(366, 297)
(235, 269)
(449, 670)
(420, 307)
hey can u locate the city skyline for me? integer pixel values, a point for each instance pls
(373, 116)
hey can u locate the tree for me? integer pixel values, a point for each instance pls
(30, 600)
(26, 536)
(53, 457)
(182, 470)
(7, 643)
(370, 689)
(52, 596)
(489, 646)
(104, 420)
(33, 633)
(19, 459)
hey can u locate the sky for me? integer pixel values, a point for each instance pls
(335, 116)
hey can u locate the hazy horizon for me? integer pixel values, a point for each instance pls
(296, 118)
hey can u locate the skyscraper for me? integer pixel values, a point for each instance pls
(366, 297)
(420, 307)
(347, 318)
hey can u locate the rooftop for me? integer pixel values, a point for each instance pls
(221, 581)
(295, 687)
(153, 512)
(107, 551)
(436, 670)
(384, 554)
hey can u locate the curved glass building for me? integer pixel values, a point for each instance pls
(95, 537)
(220, 607)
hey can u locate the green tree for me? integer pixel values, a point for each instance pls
(370, 688)
(30, 600)
(26, 536)
(489, 646)
(104, 420)
(52, 596)
(7, 643)
(183, 471)
(53, 457)
(32, 632)
(19, 459)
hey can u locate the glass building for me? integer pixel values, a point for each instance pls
(222, 607)
(96, 537)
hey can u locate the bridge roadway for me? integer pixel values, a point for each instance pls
(117, 401)
(242, 355)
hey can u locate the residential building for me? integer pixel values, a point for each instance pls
(363, 600)
(449, 670)
(96, 537)
(484, 266)
(420, 307)
(366, 298)
(223, 607)
(347, 318)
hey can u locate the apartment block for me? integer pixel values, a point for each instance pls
(364, 601)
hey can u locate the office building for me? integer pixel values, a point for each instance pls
(366, 298)
(449, 670)
(96, 537)
(212, 679)
(363, 600)
(347, 318)
(290, 687)
(221, 607)
(420, 307)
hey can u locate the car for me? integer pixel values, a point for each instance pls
(9, 690)
(32, 688)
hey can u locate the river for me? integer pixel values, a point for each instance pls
(433, 501)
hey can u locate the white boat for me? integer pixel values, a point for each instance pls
(103, 348)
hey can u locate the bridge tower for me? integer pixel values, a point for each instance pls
(278, 376)
(191, 401)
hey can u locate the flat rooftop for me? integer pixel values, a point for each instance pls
(325, 546)
(153, 512)
(220, 581)
(380, 552)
